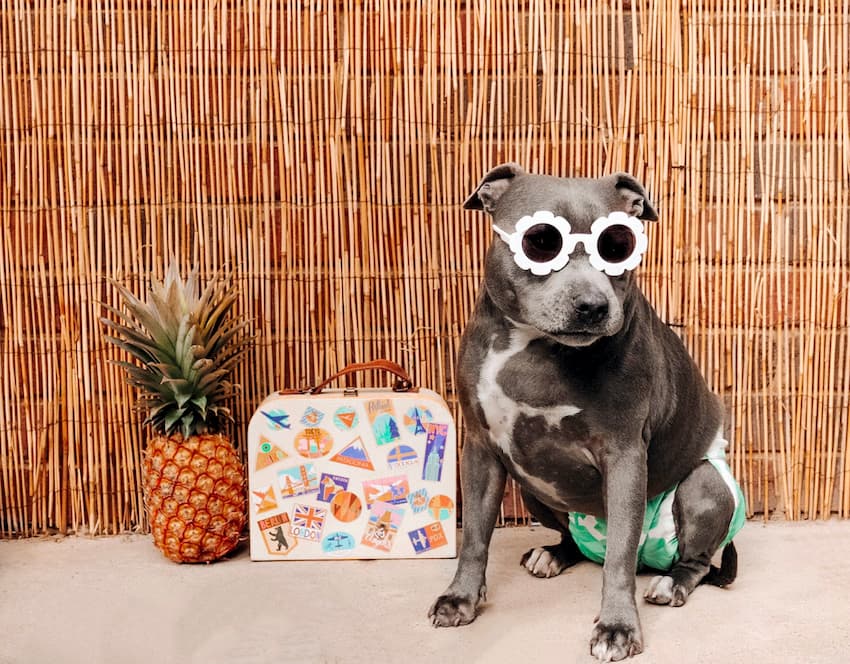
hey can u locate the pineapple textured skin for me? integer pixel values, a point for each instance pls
(195, 495)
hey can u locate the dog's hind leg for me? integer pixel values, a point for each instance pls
(702, 511)
(550, 560)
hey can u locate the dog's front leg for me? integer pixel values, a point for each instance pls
(617, 633)
(482, 478)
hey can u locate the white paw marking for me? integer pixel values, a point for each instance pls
(660, 590)
(543, 564)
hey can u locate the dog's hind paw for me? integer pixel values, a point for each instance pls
(452, 611)
(664, 590)
(547, 561)
(542, 563)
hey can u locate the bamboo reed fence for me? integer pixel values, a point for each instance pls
(322, 151)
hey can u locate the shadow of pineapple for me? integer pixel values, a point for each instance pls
(185, 345)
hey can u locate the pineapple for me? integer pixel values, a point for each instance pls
(186, 345)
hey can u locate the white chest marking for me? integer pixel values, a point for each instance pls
(501, 412)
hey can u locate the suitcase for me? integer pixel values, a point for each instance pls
(353, 473)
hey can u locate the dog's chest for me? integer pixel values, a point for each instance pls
(539, 432)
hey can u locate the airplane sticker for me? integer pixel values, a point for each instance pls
(427, 538)
(264, 499)
(276, 419)
(392, 490)
(345, 418)
(338, 543)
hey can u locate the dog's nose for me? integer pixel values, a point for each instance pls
(591, 308)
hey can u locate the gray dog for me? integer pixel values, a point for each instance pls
(570, 383)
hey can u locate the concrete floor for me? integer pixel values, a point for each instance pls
(118, 600)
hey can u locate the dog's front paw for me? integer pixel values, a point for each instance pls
(452, 611)
(611, 642)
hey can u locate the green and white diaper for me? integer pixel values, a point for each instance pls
(659, 544)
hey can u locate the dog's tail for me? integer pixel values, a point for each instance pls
(728, 570)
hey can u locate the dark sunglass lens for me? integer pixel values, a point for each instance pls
(616, 243)
(542, 242)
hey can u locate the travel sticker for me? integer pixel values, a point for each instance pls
(441, 507)
(416, 418)
(354, 454)
(384, 522)
(427, 538)
(338, 543)
(346, 506)
(383, 421)
(313, 443)
(277, 534)
(345, 418)
(393, 490)
(312, 417)
(400, 456)
(298, 480)
(435, 449)
(268, 454)
(308, 521)
(264, 499)
(276, 419)
(418, 500)
(330, 485)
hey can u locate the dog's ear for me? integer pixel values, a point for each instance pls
(635, 196)
(491, 188)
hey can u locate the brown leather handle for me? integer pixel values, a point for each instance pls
(403, 384)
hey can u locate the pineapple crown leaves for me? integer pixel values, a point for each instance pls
(185, 346)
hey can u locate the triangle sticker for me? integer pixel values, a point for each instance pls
(264, 500)
(354, 454)
(268, 454)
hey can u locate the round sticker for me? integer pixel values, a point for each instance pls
(346, 506)
(416, 418)
(345, 418)
(313, 443)
(401, 455)
(441, 507)
(338, 543)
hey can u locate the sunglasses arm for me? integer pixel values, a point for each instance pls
(505, 236)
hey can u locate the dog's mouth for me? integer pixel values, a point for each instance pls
(575, 339)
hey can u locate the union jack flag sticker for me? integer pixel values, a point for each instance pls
(308, 521)
(428, 537)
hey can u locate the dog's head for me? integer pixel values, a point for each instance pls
(565, 248)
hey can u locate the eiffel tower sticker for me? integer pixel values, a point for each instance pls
(354, 454)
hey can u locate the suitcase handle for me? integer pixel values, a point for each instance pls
(403, 384)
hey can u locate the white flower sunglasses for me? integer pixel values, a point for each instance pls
(543, 243)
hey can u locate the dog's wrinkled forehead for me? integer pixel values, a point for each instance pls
(509, 193)
(573, 200)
